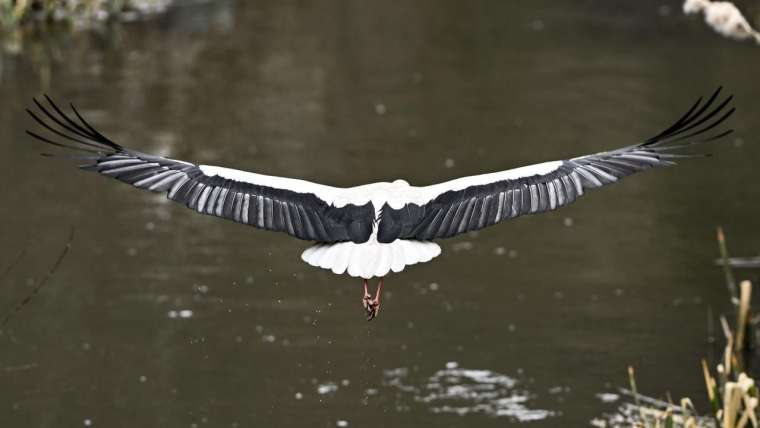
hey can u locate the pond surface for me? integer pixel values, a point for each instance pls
(159, 317)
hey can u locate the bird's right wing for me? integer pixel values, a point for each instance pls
(299, 208)
(470, 203)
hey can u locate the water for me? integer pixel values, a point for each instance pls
(159, 317)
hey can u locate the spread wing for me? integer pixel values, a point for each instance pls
(471, 203)
(299, 208)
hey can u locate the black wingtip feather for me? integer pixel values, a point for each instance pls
(78, 135)
(698, 122)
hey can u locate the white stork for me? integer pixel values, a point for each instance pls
(370, 230)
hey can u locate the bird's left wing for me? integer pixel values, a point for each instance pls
(470, 203)
(299, 208)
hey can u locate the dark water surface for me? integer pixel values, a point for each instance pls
(159, 317)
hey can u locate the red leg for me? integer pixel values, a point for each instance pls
(377, 294)
(372, 306)
(366, 299)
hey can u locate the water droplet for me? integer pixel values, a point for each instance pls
(327, 388)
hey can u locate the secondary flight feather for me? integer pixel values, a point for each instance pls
(374, 229)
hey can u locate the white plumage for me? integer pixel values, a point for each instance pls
(370, 259)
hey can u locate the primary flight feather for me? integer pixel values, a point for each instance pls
(370, 230)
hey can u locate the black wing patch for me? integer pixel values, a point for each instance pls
(302, 215)
(476, 207)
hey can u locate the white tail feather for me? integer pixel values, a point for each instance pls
(370, 259)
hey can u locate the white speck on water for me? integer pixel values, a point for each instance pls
(86, 346)
(607, 397)
(345, 382)
(512, 254)
(87, 422)
(298, 396)
(434, 286)
(327, 388)
(269, 338)
(150, 225)
(371, 391)
(341, 423)
(143, 379)
(511, 328)
(500, 251)
(448, 163)
(259, 329)
(203, 288)
(568, 221)
(556, 389)
(462, 246)
(619, 292)
(239, 339)
(380, 109)
(183, 313)
(452, 365)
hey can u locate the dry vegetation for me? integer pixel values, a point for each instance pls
(731, 391)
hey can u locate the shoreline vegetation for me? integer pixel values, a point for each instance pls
(76, 13)
(731, 390)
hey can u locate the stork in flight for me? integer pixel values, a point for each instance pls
(370, 230)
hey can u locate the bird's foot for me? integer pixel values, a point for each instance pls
(372, 305)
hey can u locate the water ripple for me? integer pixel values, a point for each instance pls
(468, 391)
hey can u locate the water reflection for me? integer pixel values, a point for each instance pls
(463, 391)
